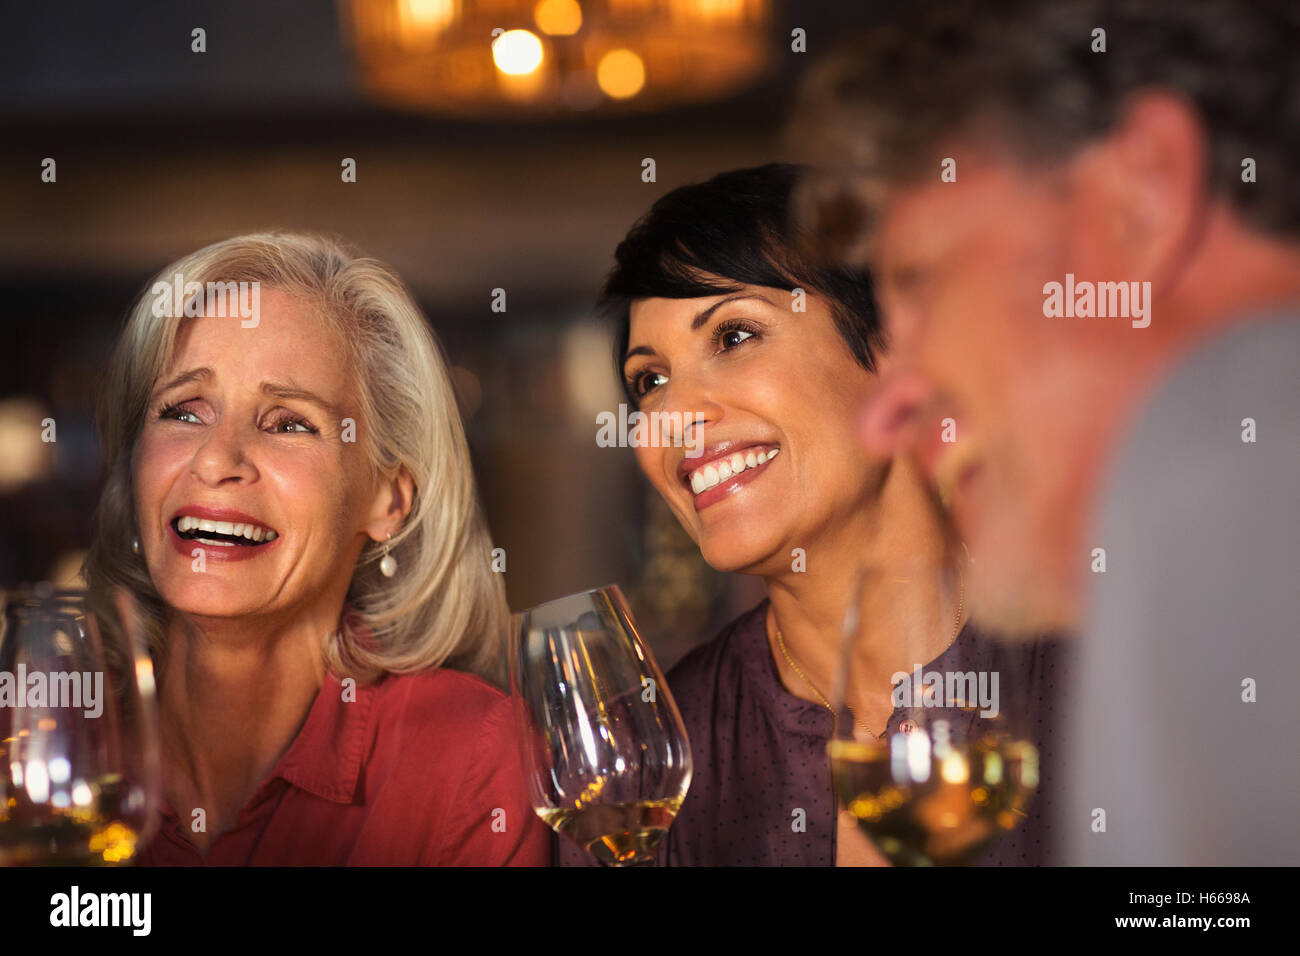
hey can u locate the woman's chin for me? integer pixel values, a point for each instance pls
(210, 598)
(733, 556)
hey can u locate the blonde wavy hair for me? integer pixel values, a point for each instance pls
(445, 605)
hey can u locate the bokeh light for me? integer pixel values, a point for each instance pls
(517, 52)
(621, 74)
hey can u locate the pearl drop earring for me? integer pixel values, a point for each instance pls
(388, 564)
(135, 544)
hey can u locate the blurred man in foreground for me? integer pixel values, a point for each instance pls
(1084, 220)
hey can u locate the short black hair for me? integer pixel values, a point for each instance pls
(735, 229)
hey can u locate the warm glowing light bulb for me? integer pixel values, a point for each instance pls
(559, 18)
(953, 767)
(427, 15)
(621, 74)
(517, 52)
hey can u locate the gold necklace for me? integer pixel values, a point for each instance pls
(956, 629)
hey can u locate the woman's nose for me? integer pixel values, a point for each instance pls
(222, 456)
(687, 406)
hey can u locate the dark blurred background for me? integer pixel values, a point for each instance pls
(468, 179)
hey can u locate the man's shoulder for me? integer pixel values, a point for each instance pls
(1217, 436)
(1198, 524)
(1232, 390)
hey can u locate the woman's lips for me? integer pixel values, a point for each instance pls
(760, 456)
(219, 552)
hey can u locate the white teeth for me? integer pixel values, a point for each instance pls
(709, 476)
(251, 532)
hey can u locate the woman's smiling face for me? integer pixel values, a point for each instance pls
(245, 433)
(774, 396)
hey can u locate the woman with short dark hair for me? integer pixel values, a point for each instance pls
(767, 356)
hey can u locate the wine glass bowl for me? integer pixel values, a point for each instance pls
(79, 782)
(606, 754)
(927, 800)
(955, 768)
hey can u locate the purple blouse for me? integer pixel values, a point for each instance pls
(759, 752)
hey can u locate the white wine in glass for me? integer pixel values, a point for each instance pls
(925, 800)
(605, 752)
(957, 773)
(79, 780)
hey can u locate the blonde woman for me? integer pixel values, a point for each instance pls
(290, 498)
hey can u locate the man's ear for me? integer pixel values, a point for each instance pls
(1146, 190)
(394, 495)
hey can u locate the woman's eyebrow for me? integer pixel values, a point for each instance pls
(184, 378)
(294, 393)
(700, 318)
(639, 350)
(706, 314)
(275, 389)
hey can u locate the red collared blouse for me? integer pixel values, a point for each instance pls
(420, 769)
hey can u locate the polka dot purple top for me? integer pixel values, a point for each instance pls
(761, 793)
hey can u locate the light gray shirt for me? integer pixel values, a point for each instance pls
(1185, 709)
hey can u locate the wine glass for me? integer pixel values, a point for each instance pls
(79, 775)
(605, 751)
(957, 770)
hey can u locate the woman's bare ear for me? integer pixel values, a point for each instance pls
(887, 426)
(394, 496)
